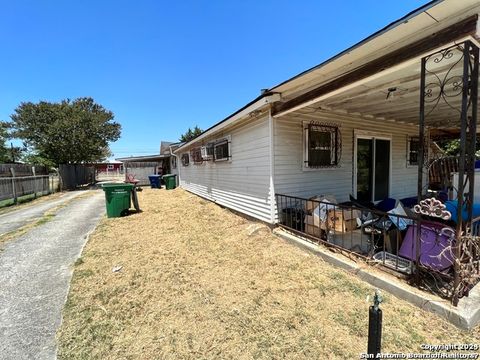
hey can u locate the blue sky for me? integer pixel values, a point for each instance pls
(162, 66)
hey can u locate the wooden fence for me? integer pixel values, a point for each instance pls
(141, 170)
(6, 170)
(18, 180)
(74, 175)
(15, 187)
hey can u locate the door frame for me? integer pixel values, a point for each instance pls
(362, 134)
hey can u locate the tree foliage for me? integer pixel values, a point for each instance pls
(66, 132)
(190, 134)
(3, 141)
(452, 147)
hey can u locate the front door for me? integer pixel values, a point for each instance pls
(372, 168)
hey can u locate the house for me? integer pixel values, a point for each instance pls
(365, 98)
(162, 163)
(109, 166)
(358, 125)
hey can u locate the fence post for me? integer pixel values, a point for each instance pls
(375, 326)
(34, 183)
(14, 190)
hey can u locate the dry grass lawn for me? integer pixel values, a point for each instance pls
(196, 284)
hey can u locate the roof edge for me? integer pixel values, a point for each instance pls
(376, 34)
(267, 97)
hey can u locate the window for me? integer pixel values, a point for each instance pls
(196, 154)
(322, 145)
(413, 146)
(221, 150)
(207, 151)
(185, 159)
(110, 166)
(174, 162)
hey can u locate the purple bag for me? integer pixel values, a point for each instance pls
(436, 242)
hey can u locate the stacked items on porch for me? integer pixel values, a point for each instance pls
(385, 231)
(326, 220)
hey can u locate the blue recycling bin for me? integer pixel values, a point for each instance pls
(154, 181)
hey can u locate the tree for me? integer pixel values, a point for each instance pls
(191, 134)
(452, 147)
(3, 140)
(66, 132)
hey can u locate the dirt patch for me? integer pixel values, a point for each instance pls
(188, 279)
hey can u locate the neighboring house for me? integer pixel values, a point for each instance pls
(109, 166)
(349, 126)
(142, 166)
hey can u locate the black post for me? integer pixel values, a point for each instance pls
(422, 151)
(375, 326)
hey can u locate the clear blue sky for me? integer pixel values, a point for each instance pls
(162, 66)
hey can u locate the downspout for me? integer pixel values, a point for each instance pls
(272, 165)
(177, 162)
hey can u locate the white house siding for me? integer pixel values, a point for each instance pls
(241, 184)
(291, 179)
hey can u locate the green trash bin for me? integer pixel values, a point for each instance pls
(117, 199)
(170, 181)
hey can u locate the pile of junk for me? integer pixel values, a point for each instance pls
(386, 231)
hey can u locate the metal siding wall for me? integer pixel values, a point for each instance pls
(291, 179)
(241, 184)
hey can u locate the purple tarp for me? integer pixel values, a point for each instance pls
(435, 245)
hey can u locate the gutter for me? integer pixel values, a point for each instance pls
(258, 103)
(178, 164)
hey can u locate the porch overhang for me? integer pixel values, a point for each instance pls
(386, 89)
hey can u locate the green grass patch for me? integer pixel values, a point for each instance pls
(20, 200)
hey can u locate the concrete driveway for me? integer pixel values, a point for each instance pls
(35, 272)
(15, 219)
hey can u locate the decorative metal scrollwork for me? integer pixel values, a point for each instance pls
(335, 145)
(448, 98)
(444, 74)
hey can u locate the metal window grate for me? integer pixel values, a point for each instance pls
(323, 145)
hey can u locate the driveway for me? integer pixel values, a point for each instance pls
(35, 272)
(13, 220)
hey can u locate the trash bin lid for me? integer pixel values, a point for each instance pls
(117, 185)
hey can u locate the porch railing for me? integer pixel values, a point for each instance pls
(395, 242)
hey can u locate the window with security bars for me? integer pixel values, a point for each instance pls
(185, 159)
(322, 146)
(196, 154)
(413, 149)
(221, 151)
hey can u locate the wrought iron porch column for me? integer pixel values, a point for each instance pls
(447, 76)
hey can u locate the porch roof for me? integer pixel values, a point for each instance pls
(424, 22)
(393, 94)
(155, 157)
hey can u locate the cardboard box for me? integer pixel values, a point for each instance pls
(314, 231)
(311, 204)
(354, 241)
(312, 226)
(342, 220)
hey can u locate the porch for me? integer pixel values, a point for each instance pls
(368, 152)
(385, 238)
